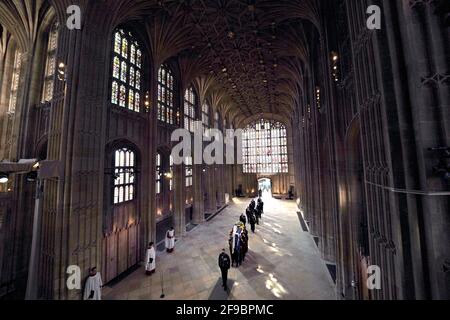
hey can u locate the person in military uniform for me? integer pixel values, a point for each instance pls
(224, 265)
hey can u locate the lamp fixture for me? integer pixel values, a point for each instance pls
(168, 175)
(61, 71)
(147, 101)
(4, 178)
(334, 63)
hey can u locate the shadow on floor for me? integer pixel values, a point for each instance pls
(123, 275)
(218, 293)
(254, 259)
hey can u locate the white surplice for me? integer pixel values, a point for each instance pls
(150, 256)
(170, 239)
(93, 284)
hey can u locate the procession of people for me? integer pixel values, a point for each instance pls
(239, 239)
(238, 248)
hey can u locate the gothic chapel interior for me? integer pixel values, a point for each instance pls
(351, 124)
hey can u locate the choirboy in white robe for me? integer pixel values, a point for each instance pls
(170, 239)
(151, 255)
(93, 283)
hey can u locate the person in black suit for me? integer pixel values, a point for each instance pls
(224, 265)
(248, 213)
(243, 219)
(260, 205)
(244, 244)
(252, 222)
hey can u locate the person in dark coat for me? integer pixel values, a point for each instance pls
(261, 205)
(244, 245)
(245, 231)
(248, 213)
(252, 222)
(224, 265)
(256, 214)
(243, 219)
(252, 205)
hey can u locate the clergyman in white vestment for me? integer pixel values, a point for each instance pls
(93, 287)
(170, 240)
(150, 259)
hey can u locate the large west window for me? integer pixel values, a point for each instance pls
(124, 175)
(189, 109)
(166, 95)
(126, 86)
(264, 146)
(50, 64)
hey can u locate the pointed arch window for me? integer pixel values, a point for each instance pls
(189, 109)
(15, 81)
(264, 148)
(166, 95)
(50, 64)
(124, 175)
(126, 86)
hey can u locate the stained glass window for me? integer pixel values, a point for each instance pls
(115, 92)
(132, 77)
(139, 58)
(158, 174)
(123, 71)
(50, 64)
(124, 48)
(117, 42)
(133, 54)
(264, 148)
(165, 95)
(116, 68)
(122, 96)
(189, 109)
(188, 168)
(126, 72)
(124, 175)
(137, 101)
(15, 81)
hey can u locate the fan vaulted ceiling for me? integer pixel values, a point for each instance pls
(249, 56)
(254, 50)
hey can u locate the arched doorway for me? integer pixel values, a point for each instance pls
(265, 187)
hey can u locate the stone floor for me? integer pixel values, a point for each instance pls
(283, 262)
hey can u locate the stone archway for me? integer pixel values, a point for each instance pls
(265, 186)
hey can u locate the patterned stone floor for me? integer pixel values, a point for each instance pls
(283, 262)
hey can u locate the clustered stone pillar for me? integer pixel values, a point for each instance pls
(180, 201)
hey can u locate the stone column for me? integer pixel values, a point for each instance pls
(198, 215)
(179, 200)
